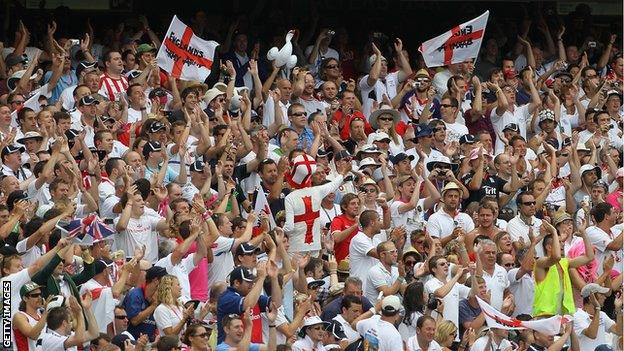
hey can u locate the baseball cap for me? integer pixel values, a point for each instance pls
(403, 179)
(379, 136)
(13, 59)
(143, 48)
(593, 288)
(391, 305)
(423, 130)
(243, 274)
(402, 156)
(155, 127)
(133, 74)
(15, 78)
(85, 66)
(587, 168)
(120, 339)
(373, 57)
(8, 250)
(151, 146)
(247, 249)
(545, 115)
(369, 149)
(467, 139)
(341, 155)
(314, 284)
(15, 196)
(28, 288)
(335, 328)
(513, 127)
(101, 264)
(368, 161)
(56, 301)
(489, 96)
(197, 166)
(88, 101)
(422, 73)
(9, 149)
(154, 273)
(157, 92)
(71, 133)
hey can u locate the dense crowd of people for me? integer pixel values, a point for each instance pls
(357, 201)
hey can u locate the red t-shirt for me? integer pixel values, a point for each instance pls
(339, 224)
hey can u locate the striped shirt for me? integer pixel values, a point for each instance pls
(110, 87)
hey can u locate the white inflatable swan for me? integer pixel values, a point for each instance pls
(284, 55)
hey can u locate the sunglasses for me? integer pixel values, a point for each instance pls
(529, 203)
(443, 167)
(299, 114)
(18, 102)
(447, 105)
(409, 263)
(387, 119)
(121, 317)
(508, 264)
(331, 66)
(202, 335)
(392, 251)
(369, 190)
(35, 295)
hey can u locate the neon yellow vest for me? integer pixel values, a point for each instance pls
(547, 291)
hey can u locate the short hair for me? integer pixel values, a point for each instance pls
(349, 300)
(292, 107)
(188, 90)
(229, 318)
(351, 280)
(111, 163)
(515, 138)
(167, 342)
(483, 243)
(99, 135)
(22, 113)
(190, 331)
(313, 264)
(344, 202)
(600, 211)
(433, 261)
(55, 183)
(519, 197)
(367, 217)
(132, 86)
(422, 319)
(75, 91)
(216, 129)
(449, 82)
(238, 222)
(454, 102)
(264, 163)
(56, 316)
(109, 55)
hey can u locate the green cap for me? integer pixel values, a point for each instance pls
(28, 288)
(145, 48)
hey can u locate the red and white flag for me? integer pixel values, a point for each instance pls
(496, 319)
(184, 55)
(456, 45)
(262, 204)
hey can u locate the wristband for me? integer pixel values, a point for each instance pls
(372, 310)
(206, 215)
(271, 326)
(401, 279)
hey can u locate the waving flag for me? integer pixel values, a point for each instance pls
(262, 204)
(496, 319)
(183, 54)
(87, 230)
(456, 45)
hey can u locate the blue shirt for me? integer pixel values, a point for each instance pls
(231, 302)
(225, 347)
(170, 175)
(65, 81)
(306, 138)
(134, 303)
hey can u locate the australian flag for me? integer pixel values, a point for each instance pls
(87, 230)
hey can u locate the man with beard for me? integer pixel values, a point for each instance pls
(447, 223)
(303, 93)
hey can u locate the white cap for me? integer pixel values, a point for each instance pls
(593, 288)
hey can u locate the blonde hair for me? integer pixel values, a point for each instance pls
(164, 292)
(444, 332)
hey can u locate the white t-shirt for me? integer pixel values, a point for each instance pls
(479, 344)
(412, 345)
(180, 270)
(454, 131)
(582, 321)
(103, 303)
(411, 220)
(223, 262)
(600, 240)
(379, 276)
(441, 224)
(379, 334)
(30, 255)
(53, 341)
(524, 288)
(496, 283)
(167, 316)
(518, 229)
(140, 231)
(359, 262)
(352, 334)
(520, 116)
(366, 91)
(451, 300)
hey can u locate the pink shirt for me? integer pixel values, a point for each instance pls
(199, 277)
(613, 199)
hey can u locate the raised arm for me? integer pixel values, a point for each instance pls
(375, 70)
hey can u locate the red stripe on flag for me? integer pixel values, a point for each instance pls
(183, 53)
(454, 39)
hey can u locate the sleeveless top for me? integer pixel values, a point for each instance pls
(548, 298)
(22, 342)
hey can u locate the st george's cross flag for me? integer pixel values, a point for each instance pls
(496, 319)
(184, 55)
(456, 45)
(262, 204)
